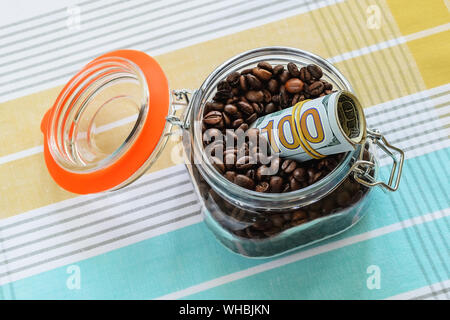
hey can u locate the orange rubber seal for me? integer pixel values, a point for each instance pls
(132, 160)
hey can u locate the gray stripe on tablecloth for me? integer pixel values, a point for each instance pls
(97, 245)
(44, 15)
(417, 112)
(97, 233)
(170, 23)
(111, 23)
(432, 294)
(45, 24)
(109, 217)
(22, 67)
(101, 197)
(87, 213)
(167, 34)
(412, 101)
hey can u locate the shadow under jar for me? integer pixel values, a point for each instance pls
(111, 121)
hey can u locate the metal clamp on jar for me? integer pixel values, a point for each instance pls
(112, 119)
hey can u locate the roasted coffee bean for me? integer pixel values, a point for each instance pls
(230, 175)
(328, 205)
(294, 85)
(251, 118)
(258, 107)
(233, 79)
(243, 127)
(276, 99)
(244, 163)
(254, 96)
(315, 71)
(223, 86)
(276, 184)
(295, 223)
(293, 70)
(313, 175)
(294, 184)
(277, 220)
(230, 109)
(236, 123)
(262, 187)
(243, 83)
(312, 214)
(278, 69)
(299, 174)
(343, 198)
(284, 99)
(316, 88)
(262, 74)
(251, 174)
(270, 107)
(267, 96)
(284, 76)
(265, 65)
(244, 181)
(327, 85)
(245, 107)
(299, 215)
(218, 164)
(253, 82)
(288, 166)
(226, 119)
(305, 76)
(222, 95)
(273, 86)
(262, 173)
(213, 106)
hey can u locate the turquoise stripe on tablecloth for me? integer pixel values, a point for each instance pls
(342, 273)
(189, 256)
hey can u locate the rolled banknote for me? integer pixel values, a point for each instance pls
(313, 129)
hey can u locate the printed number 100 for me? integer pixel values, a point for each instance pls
(293, 130)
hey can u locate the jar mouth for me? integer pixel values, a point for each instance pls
(99, 115)
(229, 190)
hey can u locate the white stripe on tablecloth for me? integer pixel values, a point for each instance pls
(436, 291)
(389, 43)
(306, 254)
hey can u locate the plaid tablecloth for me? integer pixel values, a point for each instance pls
(148, 240)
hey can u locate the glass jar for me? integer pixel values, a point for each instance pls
(112, 119)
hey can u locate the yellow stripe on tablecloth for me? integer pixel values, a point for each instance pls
(432, 57)
(26, 182)
(188, 67)
(396, 77)
(417, 15)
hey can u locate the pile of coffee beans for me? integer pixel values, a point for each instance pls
(239, 100)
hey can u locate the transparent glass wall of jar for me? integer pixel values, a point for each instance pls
(265, 224)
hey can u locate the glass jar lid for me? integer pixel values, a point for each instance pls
(108, 123)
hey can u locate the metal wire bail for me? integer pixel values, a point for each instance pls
(361, 168)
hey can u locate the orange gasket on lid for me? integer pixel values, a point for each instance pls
(142, 148)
